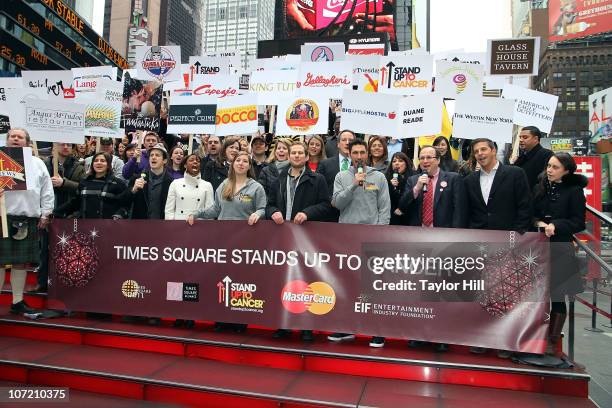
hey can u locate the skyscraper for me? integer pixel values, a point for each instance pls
(237, 24)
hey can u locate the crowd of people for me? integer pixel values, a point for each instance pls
(342, 178)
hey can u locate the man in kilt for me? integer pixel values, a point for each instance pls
(27, 212)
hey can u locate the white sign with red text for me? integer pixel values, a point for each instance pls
(86, 79)
(371, 113)
(219, 86)
(325, 78)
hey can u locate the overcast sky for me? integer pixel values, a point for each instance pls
(468, 23)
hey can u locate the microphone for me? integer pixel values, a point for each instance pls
(360, 170)
(425, 185)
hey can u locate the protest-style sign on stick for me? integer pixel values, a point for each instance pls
(14, 164)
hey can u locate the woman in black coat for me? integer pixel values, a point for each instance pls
(397, 173)
(559, 209)
(99, 195)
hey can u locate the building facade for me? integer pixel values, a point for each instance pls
(573, 71)
(166, 22)
(237, 24)
(34, 36)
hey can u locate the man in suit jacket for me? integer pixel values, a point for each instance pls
(498, 195)
(328, 168)
(447, 192)
(533, 158)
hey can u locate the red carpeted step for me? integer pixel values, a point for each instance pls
(257, 348)
(198, 382)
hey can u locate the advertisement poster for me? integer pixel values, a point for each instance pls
(420, 115)
(302, 18)
(269, 86)
(366, 69)
(302, 116)
(371, 113)
(325, 78)
(6, 83)
(515, 56)
(219, 85)
(86, 79)
(456, 79)
(14, 101)
(568, 19)
(323, 52)
(600, 115)
(468, 287)
(160, 63)
(406, 74)
(141, 104)
(192, 114)
(532, 108)
(103, 113)
(236, 115)
(491, 118)
(55, 121)
(15, 165)
(205, 65)
(58, 84)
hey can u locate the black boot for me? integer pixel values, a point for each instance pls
(557, 320)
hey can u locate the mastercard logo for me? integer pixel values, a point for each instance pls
(318, 297)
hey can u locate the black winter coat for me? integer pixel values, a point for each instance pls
(72, 171)
(268, 178)
(395, 193)
(534, 162)
(311, 196)
(562, 204)
(97, 198)
(140, 200)
(214, 173)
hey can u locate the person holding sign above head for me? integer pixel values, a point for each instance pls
(434, 198)
(299, 195)
(239, 197)
(361, 195)
(140, 161)
(215, 171)
(27, 212)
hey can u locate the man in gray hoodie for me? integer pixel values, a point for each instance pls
(361, 194)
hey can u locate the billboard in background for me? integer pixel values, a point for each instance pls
(600, 115)
(568, 19)
(275, 48)
(325, 18)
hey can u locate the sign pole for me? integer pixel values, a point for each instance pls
(55, 160)
(272, 118)
(415, 153)
(3, 215)
(34, 148)
(139, 146)
(190, 145)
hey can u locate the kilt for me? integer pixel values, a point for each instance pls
(25, 251)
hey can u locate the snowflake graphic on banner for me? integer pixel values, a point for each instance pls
(510, 277)
(76, 257)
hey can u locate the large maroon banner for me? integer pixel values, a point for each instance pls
(471, 287)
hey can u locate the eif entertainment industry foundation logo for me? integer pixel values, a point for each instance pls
(318, 298)
(239, 296)
(363, 306)
(132, 289)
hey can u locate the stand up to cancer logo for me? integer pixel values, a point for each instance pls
(302, 115)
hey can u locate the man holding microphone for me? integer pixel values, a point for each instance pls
(361, 194)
